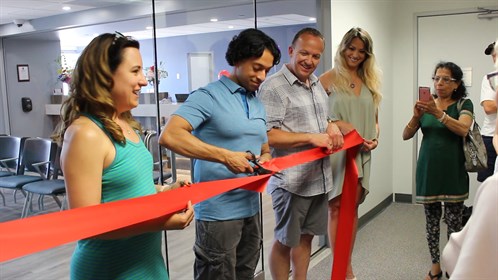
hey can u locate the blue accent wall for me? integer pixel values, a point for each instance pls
(173, 51)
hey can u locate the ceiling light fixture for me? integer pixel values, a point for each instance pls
(66, 8)
(213, 20)
(19, 22)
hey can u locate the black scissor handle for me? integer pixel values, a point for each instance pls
(260, 170)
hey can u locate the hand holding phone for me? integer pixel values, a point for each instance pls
(424, 94)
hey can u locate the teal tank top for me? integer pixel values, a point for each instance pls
(137, 257)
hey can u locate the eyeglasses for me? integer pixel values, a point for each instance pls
(446, 80)
(119, 35)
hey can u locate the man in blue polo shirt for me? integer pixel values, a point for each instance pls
(216, 125)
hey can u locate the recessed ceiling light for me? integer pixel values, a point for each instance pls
(213, 20)
(230, 27)
(148, 27)
(312, 19)
(66, 8)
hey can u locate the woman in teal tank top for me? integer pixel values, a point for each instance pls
(104, 160)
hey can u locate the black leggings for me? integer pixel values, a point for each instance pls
(452, 217)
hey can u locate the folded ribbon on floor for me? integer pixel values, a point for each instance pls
(37, 233)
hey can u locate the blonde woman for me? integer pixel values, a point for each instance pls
(353, 86)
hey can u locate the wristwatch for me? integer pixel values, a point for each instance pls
(331, 120)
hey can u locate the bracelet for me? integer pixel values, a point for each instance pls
(446, 119)
(443, 117)
(411, 127)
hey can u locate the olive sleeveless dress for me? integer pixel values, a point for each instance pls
(360, 112)
(137, 257)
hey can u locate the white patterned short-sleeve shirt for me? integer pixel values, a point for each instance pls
(294, 106)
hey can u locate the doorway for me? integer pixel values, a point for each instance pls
(462, 39)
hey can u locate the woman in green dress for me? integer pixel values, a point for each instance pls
(441, 176)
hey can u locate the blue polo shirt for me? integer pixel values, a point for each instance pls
(220, 117)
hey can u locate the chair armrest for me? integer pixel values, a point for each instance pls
(157, 162)
(37, 165)
(4, 164)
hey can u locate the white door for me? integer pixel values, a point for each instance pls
(200, 70)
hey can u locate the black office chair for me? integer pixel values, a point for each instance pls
(152, 144)
(10, 147)
(51, 186)
(35, 158)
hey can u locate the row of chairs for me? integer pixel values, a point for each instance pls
(150, 139)
(32, 166)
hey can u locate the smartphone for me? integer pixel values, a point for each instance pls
(424, 93)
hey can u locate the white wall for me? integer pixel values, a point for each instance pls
(376, 18)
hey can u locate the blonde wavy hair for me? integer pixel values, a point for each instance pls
(368, 70)
(92, 83)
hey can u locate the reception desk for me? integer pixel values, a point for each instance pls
(143, 110)
(144, 113)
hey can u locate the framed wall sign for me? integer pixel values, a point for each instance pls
(22, 73)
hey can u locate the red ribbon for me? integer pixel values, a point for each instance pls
(344, 236)
(37, 233)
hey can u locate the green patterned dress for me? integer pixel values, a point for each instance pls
(441, 174)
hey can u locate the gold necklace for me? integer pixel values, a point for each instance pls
(124, 129)
(353, 84)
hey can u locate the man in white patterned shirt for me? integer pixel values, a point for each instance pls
(297, 108)
(488, 96)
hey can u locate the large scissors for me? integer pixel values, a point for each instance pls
(259, 169)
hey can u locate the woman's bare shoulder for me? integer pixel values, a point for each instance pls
(330, 74)
(84, 129)
(327, 79)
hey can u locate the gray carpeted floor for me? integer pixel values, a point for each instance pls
(390, 247)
